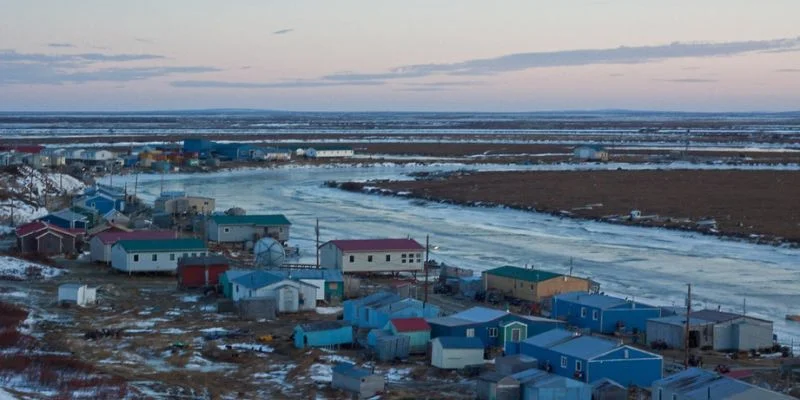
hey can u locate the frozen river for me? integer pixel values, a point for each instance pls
(651, 265)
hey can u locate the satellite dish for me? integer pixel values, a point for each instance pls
(269, 253)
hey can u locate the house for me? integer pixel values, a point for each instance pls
(106, 226)
(417, 330)
(469, 286)
(603, 314)
(699, 384)
(495, 328)
(274, 154)
(189, 205)
(8, 159)
(329, 282)
(45, 239)
(237, 151)
(512, 364)
(292, 295)
(606, 389)
(200, 146)
(372, 255)
(359, 382)
(153, 255)
(736, 332)
(536, 384)
(532, 284)
(454, 352)
(74, 154)
(201, 271)
(590, 153)
(226, 280)
(376, 310)
(671, 331)
(159, 204)
(353, 310)
(323, 334)
(67, 219)
(100, 245)
(36, 161)
(495, 385)
(589, 358)
(328, 152)
(101, 199)
(97, 156)
(244, 228)
(26, 149)
(116, 217)
(76, 293)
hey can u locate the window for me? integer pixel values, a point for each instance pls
(493, 332)
(226, 230)
(626, 353)
(403, 261)
(194, 254)
(203, 254)
(185, 255)
(352, 258)
(172, 257)
(135, 258)
(563, 362)
(369, 258)
(595, 315)
(583, 312)
(388, 258)
(419, 255)
(155, 257)
(471, 332)
(578, 366)
(403, 256)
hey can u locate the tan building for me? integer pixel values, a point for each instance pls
(532, 284)
(188, 205)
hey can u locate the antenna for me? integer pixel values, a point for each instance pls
(570, 266)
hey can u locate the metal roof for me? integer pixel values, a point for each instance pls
(211, 259)
(115, 236)
(600, 301)
(258, 279)
(410, 324)
(680, 320)
(696, 383)
(523, 274)
(480, 314)
(449, 321)
(585, 347)
(69, 215)
(719, 316)
(460, 342)
(162, 245)
(328, 275)
(542, 379)
(351, 370)
(323, 326)
(550, 338)
(378, 245)
(232, 274)
(271, 220)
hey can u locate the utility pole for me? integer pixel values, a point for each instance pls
(744, 306)
(570, 265)
(686, 331)
(427, 258)
(316, 230)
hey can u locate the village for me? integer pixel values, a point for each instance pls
(207, 296)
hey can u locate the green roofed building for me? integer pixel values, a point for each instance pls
(154, 255)
(532, 284)
(245, 228)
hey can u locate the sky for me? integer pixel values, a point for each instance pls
(400, 55)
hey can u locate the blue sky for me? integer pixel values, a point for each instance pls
(443, 55)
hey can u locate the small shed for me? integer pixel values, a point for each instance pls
(323, 334)
(497, 386)
(514, 363)
(256, 308)
(590, 153)
(455, 352)
(374, 334)
(536, 384)
(202, 271)
(392, 347)
(361, 383)
(416, 329)
(76, 293)
(606, 389)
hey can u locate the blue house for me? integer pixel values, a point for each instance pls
(495, 328)
(589, 358)
(323, 334)
(354, 311)
(112, 192)
(101, 203)
(67, 219)
(238, 151)
(201, 146)
(376, 310)
(603, 314)
(536, 384)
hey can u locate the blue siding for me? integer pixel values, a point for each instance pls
(331, 337)
(63, 223)
(634, 319)
(603, 321)
(639, 372)
(101, 204)
(573, 392)
(201, 146)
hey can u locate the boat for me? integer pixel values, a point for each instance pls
(793, 317)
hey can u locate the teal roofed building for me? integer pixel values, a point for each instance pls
(244, 228)
(153, 255)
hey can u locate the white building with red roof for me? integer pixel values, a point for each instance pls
(373, 255)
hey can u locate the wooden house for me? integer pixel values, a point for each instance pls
(45, 239)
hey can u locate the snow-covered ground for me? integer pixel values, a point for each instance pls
(15, 268)
(5, 395)
(652, 265)
(32, 185)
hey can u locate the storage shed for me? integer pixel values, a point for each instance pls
(453, 352)
(514, 363)
(256, 308)
(292, 295)
(606, 389)
(392, 347)
(323, 334)
(359, 382)
(672, 332)
(76, 293)
(532, 284)
(245, 228)
(497, 386)
(201, 271)
(416, 329)
(41, 238)
(226, 280)
(737, 332)
(329, 282)
(536, 384)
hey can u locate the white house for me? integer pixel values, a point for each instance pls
(373, 255)
(154, 255)
(273, 154)
(76, 293)
(456, 352)
(590, 153)
(101, 243)
(74, 154)
(328, 152)
(291, 295)
(98, 155)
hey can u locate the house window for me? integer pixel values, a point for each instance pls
(226, 230)
(578, 366)
(369, 258)
(352, 258)
(135, 258)
(419, 255)
(470, 332)
(203, 254)
(583, 312)
(388, 258)
(403, 261)
(185, 255)
(492, 332)
(595, 314)
(194, 254)
(172, 257)
(563, 362)
(155, 257)
(402, 255)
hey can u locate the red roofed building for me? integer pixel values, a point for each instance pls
(417, 329)
(100, 245)
(372, 255)
(39, 237)
(28, 149)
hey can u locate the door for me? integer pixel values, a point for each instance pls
(287, 297)
(516, 335)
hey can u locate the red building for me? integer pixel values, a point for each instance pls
(195, 272)
(28, 149)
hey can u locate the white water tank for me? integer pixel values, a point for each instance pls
(269, 253)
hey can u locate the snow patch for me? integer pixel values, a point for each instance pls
(18, 269)
(190, 299)
(329, 310)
